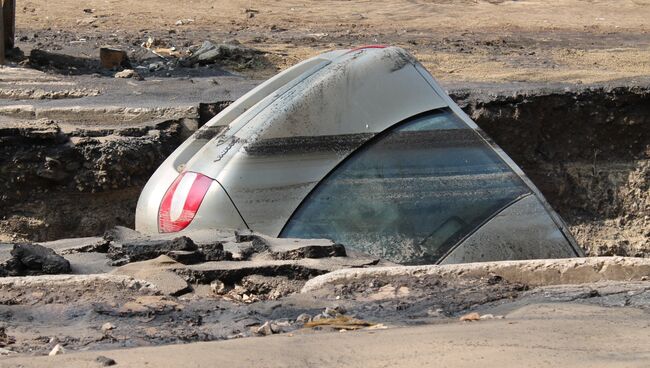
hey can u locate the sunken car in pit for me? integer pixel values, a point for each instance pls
(362, 147)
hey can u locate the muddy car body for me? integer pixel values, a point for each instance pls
(363, 147)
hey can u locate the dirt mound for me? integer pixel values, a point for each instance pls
(57, 183)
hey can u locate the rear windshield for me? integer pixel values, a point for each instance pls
(411, 193)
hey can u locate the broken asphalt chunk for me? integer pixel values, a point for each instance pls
(35, 259)
(144, 249)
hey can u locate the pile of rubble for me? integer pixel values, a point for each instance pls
(154, 57)
(243, 265)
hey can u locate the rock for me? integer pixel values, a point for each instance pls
(105, 361)
(155, 66)
(310, 251)
(332, 312)
(113, 58)
(4, 338)
(107, 327)
(187, 257)
(268, 328)
(232, 272)
(159, 272)
(247, 249)
(218, 287)
(303, 318)
(243, 235)
(214, 252)
(4, 351)
(181, 22)
(270, 287)
(143, 249)
(210, 53)
(34, 259)
(129, 73)
(293, 249)
(471, 317)
(57, 350)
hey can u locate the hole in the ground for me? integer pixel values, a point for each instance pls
(587, 150)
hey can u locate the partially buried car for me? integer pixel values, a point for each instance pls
(362, 147)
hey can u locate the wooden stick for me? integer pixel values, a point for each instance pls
(9, 7)
(2, 35)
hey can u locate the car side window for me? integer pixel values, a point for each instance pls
(410, 193)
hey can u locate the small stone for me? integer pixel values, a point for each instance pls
(181, 22)
(105, 361)
(186, 257)
(303, 318)
(275, 328)
(334, 311)
(243, 235)
(108, 326)
(265, 329)
(155, 66)
(129, 73)
(58, 349)
(471, 317)
(218, 287)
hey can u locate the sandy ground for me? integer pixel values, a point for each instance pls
(539, 335)
(497, 40)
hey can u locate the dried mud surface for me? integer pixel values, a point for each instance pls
(573, 41)
(97, 314)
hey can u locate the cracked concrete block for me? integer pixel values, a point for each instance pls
(158, 272)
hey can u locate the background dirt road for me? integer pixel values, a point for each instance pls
(579, 41)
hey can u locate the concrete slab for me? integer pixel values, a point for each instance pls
(531, 272)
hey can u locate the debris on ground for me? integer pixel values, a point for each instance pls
(181, 22)
(339, 323)
(34, 259)
(107, 327)
(129, 73)
(111, 58)
(105, 361)
(57, 350)
(225, 54)
(5, 339)
(470, 317)
(268, 328)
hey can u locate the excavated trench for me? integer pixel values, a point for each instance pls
(587, 149)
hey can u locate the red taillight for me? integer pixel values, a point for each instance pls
(181, 201)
